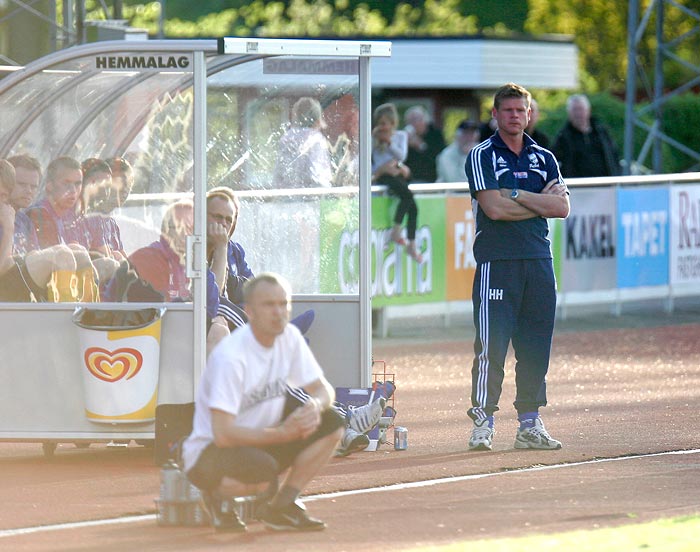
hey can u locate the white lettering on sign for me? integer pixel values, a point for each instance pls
(394, 272)
(645, 233)
(464, 242)
(688, 222)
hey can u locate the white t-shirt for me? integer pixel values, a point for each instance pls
(303, 159)
(450, 164)
(397, 150)
(248, 380)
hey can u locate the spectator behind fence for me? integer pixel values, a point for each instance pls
(303, 153)
(263, 408)
(584, 146)
(343, 119)
(425, 142)
(389, 149)
(487, 129)
(537, 135)
(451, 160)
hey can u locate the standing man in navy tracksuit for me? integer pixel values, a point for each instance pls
(516, 186)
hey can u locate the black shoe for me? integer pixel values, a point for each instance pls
(223, 522)
(290, 518)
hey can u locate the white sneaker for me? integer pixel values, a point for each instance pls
(536, 437)
(352, 441)
(482, 436)
(365, 418)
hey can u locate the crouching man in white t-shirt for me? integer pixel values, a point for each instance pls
(263, 406)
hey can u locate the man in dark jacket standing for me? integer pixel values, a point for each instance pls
(425, 142)
(584, 147)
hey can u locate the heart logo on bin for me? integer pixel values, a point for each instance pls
(112, 366)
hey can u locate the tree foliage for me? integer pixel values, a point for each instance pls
(599, 28)
(313, 18)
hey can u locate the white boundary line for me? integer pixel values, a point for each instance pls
(459, 478)
(338, 494)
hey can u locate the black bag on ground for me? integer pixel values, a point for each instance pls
(173, 425)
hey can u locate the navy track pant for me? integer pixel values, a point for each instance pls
(514, 301)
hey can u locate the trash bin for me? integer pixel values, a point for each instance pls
(120, 357)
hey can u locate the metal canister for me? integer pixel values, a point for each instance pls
(400, 438)
(171, 490)
(171, 479)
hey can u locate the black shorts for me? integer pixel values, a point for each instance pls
(252, 465)
(17, 286)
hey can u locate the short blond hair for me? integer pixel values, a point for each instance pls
(266, 277)
(511, 90)
(174, 213)
(61, 164)
(386, 110)
(26, 161)
(227, 194)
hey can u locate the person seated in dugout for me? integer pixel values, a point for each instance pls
(56, 214)
(98, 200)
(227, 258)
(162, 263)
(24, 194)
(59, 273)
(58, 221)
(263, 411)
(122, 181)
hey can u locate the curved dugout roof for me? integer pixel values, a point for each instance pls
(26, 96)
(43, 89)
(43, 93)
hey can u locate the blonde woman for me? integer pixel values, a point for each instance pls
(390, 147)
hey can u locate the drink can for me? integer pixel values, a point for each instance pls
(400, 438)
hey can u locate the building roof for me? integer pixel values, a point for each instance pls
(478, 63)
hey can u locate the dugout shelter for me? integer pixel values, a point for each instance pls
(190, 115)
